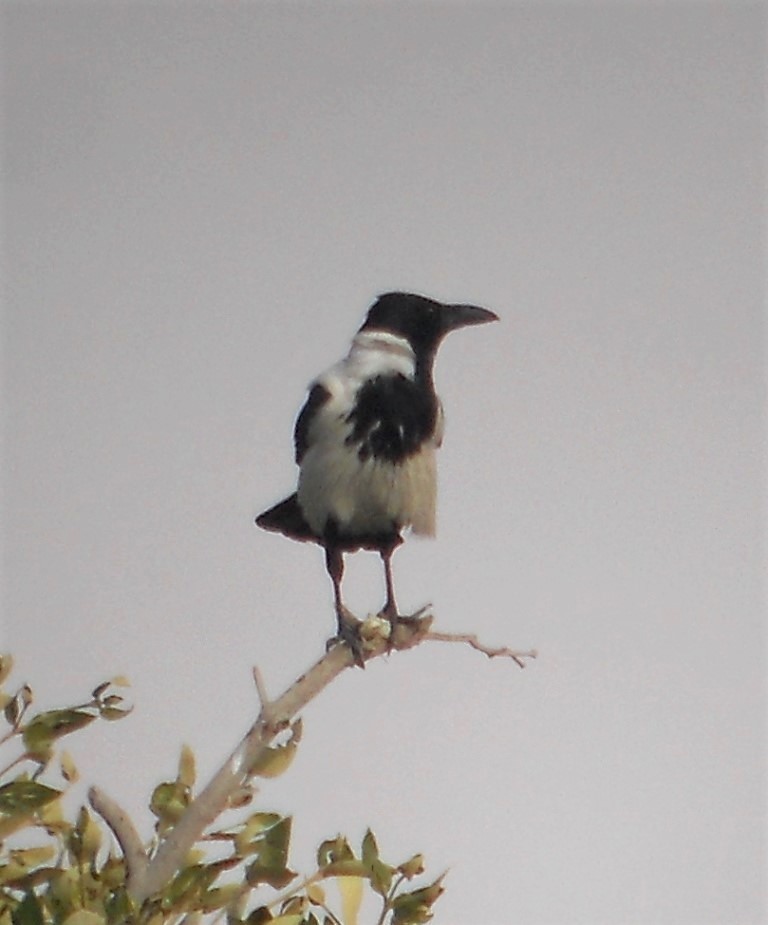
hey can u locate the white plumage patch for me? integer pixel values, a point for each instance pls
(372, 353)
(365, 496)
(369, 497)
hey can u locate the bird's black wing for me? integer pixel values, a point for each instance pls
(287, 518)
(317, 397)
(392, 418)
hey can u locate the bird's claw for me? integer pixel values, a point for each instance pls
(363, 637)
(411, 623)
(390, 613)
(349, 635)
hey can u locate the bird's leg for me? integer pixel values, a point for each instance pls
(334, 561)
(347, 623)
(390, 607)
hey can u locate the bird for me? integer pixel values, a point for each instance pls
(365, 443)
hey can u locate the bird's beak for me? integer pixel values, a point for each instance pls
(459, 316)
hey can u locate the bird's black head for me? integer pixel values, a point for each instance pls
(424, 322)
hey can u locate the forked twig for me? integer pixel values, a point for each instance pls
(472, 640)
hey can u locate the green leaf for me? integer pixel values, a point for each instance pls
(273, 760)
(15, 707)
(99, 689)
(293, 905)
(333, 850)
(315, 894)
(351, 868)
(169, 800)
(52, 817)
(370, 850)
(380, 874)
(22, 868)
(415, 908)
(219, 897)
(259, 916)
(184, 891)
(118, 681)
(412, 867)
(248, 839)
(118, 905)
(28, 912)
(111, 713)
(275, 876)
(109, 704)
(32, 857)
(65, 893)
(351, 890)
(24, 797)
(84, 917)
(85, 838)
(271, 861)
(45, 728)
(19, 879)
(68, 768)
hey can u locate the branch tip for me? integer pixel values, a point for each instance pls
(492, 652)
(127, 837)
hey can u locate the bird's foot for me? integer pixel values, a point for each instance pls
(390, 613)
(349, 635)
(387, 630)
(405, 627)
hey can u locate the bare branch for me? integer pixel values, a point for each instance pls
(472, 640)
(235, 772)
(127, 837)
(275, 715)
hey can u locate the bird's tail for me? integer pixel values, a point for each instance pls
(288, 519)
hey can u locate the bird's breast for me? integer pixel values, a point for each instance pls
(368, 496)
(368, 448)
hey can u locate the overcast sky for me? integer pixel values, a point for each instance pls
(199, 203)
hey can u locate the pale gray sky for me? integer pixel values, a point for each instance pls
(200, 201)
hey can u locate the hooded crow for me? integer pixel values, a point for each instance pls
(365, 442)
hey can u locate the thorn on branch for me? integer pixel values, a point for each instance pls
(269, 715)
(261, 688)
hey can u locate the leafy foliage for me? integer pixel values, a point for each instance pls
(71, 873)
